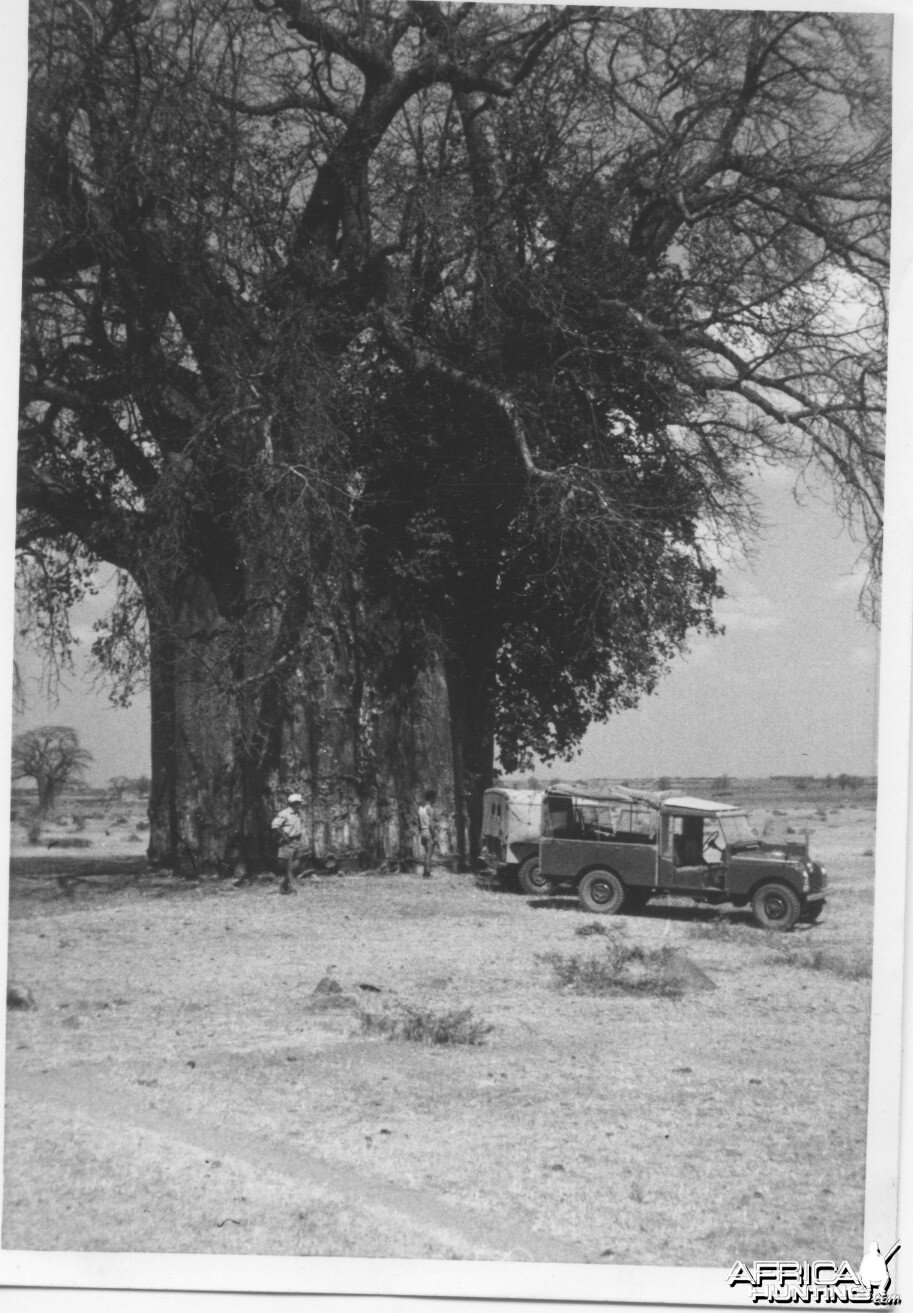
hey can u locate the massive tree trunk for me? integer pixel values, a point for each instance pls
(471, 700)
(163, 822)
(219, 772)
(471, 646)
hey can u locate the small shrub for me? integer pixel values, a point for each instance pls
(118, 820)
(592, 928)
(624, 968)
(133, 838)
(142, 825)
(425, 1026)
(79, 823)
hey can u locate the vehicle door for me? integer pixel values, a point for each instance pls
(683, 860)
(557, 855)
(665, 853)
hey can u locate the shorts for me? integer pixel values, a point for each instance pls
(289, 850)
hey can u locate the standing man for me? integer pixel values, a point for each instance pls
(427, 829)
(290, 826)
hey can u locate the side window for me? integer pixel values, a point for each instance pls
(668, 835)
(643, 822)
(594, 822)
(558, 818)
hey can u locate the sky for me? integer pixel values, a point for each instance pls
(789, 689)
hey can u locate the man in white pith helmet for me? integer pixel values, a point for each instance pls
(290, 825)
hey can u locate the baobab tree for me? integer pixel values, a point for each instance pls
(52, 757)
(635, 251)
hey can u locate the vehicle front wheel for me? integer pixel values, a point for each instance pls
(776, 907)
(601, 891)
(532, 881)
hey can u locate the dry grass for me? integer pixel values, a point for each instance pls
(808, 958)
(719, 926)
(639, 1132)
(592, 928)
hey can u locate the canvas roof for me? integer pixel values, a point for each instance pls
(660, 801)
(517, 795)
(610, 793)
(698, 805)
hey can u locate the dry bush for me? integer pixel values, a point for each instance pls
(592, 928)
(425, 1026)
(626, 968)
(819, 959)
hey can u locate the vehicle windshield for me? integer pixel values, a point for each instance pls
(736, 829)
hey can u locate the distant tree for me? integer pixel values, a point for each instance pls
(721, 784)
(533, 783)
(52, 757)
(663, 783)
(118, 785)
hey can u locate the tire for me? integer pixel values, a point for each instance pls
(531, 882)
(813, 911)
(776, 907)
(601, 891)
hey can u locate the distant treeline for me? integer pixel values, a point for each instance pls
(715, 786)
(847, 783)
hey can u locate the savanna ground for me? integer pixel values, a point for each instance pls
(190, 1081)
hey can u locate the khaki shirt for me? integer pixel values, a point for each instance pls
(290, 824)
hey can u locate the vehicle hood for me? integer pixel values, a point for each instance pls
(792, 849)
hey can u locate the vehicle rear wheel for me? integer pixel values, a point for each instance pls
(812, 912)
(531, 880)
(601, 891)
(776, 907)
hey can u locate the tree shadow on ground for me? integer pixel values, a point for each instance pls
(56, 876)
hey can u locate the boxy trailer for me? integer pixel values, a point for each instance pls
(511, 828)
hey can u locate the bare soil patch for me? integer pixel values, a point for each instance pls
(176, 1088)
